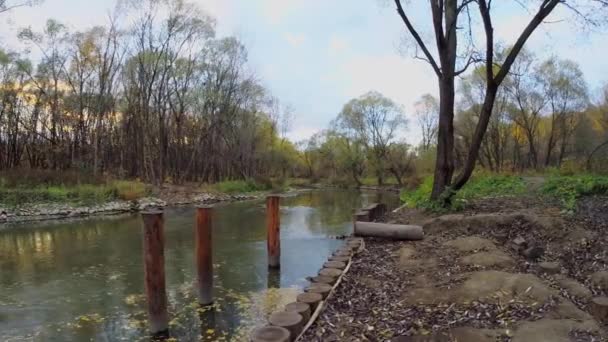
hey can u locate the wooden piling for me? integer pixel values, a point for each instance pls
(154, 271)
(203, 255)
(273, 239)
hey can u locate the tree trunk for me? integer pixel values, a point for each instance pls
(482, 125)
(444, 166)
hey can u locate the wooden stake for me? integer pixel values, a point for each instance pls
(154, 272)
(274, 238)
(203, 255)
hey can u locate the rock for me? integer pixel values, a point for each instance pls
(149, 202)
(550, 267)
(488, 286)
(493, 285)
(573, 287)
(598, 307)
(533, 253)
(551, 330)
(565, 309)
(406, 253)
(488, 259)
(519, 242)
(470, 244)
(600, 280)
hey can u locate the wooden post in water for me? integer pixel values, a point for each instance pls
(154, 272)
(204, 261)
(274, 238)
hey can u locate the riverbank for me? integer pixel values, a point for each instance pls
(151, 197)
(504, 269)
(166, 196)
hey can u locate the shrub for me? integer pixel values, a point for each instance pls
(480, 185)
(239, 186)
(568, 189)
(129, 190)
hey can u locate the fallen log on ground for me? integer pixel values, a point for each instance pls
(388, 231)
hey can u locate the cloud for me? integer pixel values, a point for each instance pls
(337, 45)
(277, 10)
(295, 40)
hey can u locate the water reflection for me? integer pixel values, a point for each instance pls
(82, 280)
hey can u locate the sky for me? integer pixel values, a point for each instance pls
(315, 55)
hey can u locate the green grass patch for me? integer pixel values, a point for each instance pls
(480, 185)
(240, 186)
(568, 189)
(85, 194)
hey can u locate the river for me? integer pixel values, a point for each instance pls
(83, 280)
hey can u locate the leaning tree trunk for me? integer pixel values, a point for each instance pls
(482, 125)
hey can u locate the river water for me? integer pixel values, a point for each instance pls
(83, 280)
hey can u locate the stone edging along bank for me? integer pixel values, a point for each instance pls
(54, 211)
(298, 317)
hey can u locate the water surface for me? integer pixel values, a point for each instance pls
(83, 280)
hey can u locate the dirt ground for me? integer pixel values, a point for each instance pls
(505, 269)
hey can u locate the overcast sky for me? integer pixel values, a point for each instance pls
(317, 54)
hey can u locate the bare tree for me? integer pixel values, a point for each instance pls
(450, 20)
(427, 115)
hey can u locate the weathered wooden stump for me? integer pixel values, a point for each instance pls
(362, 216)
(349, 248)
(598, 307)
(343, 259)
(290, 320)
(270, 334)
(323, 289)
(204, 263)
(324, 280)
(343, 253)
(302, 308)
(354, 244)
(330, 272)
(273, 233)
(154, 272)
(334, 264)
(310, 298)
(354, 240)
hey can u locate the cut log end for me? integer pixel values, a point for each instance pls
(302, 308)
(343, 253)
(270, 334)
(323, 280)
(311, 299)
(335, 264)
(343, 259)
(290, 320)
(322, 289)
(330, 272)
